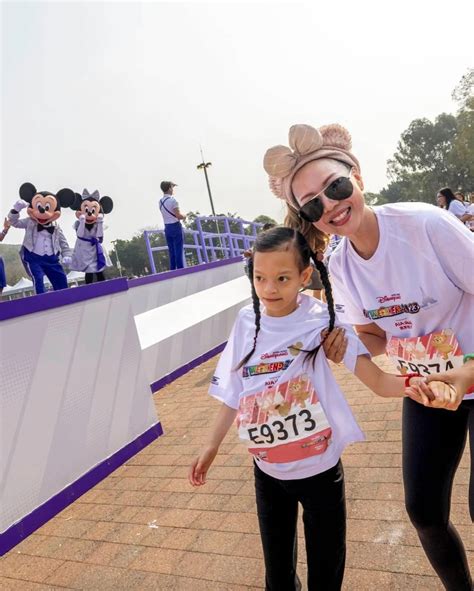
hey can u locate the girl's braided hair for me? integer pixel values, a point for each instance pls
(283, 238)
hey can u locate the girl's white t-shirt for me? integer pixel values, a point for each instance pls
(292, 416)
(418, 286)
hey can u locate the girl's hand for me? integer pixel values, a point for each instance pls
(6, 224)
(200, 466)
(335, 344)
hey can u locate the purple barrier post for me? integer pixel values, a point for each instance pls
(202, 239)
(229, 235)
(150, 252)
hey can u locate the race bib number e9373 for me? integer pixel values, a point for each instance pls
(284, 424)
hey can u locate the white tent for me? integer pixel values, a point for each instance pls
(75, 277)
(23, 284)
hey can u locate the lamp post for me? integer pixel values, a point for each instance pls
(119, 266)
(204, 166)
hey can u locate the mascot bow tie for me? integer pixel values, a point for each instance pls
(49, 229)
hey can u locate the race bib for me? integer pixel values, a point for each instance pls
(285, 423)
(428, 354)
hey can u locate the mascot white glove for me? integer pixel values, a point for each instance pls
(20, 204)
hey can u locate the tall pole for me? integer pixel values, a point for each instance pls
(204, 166)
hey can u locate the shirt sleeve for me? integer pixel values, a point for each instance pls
(226, 383)
(344, 304)
(453, 244)
(355, 347)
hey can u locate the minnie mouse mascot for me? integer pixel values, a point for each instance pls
(88, 255)
(44, 240)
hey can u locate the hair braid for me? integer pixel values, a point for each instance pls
(256, 309)
(321, 267)
(323, 272)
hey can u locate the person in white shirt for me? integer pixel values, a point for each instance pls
(403, 275)
(447, 200)
(290, 411)
(173, 230)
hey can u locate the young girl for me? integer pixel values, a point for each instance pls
(402, 275)
(290, 411)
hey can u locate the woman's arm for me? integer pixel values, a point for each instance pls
(373, 337)
(200, 466)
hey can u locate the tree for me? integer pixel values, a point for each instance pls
(264, 219)
(431, 155)
(464, 90)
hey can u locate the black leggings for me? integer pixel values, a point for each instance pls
(433, 443)
(90, 277)
(324, 517)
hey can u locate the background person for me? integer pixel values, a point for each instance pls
(447, 200)
(173, 229)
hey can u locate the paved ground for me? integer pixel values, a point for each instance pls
(145, 528)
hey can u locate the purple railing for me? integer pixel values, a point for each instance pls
(210, 246)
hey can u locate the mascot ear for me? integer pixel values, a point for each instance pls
(27, 192)
(106, 204)
(76, 204)
(65, 197)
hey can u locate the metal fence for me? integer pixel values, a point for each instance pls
(231, 238)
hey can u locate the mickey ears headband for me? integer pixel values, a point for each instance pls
(306, 144)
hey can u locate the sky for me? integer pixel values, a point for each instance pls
(118, 96)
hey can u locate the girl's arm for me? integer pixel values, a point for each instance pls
(383, 384)
(439, 394)
(200, 466)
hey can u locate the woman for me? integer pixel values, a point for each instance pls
(446, 199)
(395, 279)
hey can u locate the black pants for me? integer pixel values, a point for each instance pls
(433, 443)
(90, 277)
(324, 517)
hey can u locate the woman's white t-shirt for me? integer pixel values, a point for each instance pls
(418, 286)
(457, 208)
(292, 416)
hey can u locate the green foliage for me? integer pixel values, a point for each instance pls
(264, 219)
(14, 269)
(431, 155)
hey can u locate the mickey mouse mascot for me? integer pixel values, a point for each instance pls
(88, 255)
(44, 240)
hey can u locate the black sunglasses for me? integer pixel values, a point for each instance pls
(337, 190)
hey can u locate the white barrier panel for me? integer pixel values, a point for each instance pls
(188, 322)
(75, 400)
(76, 367)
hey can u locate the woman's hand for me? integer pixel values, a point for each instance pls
(200, 466)
(335, 344)
(435, 395)
(6, 224)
